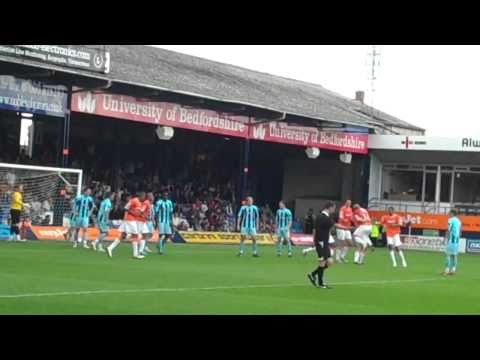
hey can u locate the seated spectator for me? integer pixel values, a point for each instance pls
(297, 226)
(46, 221)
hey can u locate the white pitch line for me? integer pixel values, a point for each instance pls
(240, 287)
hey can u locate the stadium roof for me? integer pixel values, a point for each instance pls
(169, 71)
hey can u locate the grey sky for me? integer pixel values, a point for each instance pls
(434, 87)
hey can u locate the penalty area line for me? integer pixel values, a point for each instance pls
(239, 287)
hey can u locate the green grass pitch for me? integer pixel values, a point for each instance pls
(53, 278)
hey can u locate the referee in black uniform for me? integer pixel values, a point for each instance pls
(324, 223)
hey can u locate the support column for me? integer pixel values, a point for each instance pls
(66, 131)
(347, 182)
(245, 169)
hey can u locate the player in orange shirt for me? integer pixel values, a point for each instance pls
(361, 235)
(146, 225)
(129, 225)
(391, 224)
(344, 236)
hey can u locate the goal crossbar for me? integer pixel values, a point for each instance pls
(51, 169)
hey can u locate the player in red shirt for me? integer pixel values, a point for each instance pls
(361, 235)
(129, 225)
(344, 236)
(391, 224)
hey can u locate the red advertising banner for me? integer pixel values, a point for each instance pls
(159, 113)
(175, 115)
(310, 137)
(301, 239)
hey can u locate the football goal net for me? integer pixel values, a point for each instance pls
(48, 191)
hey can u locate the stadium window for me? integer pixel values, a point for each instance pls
(466, 188)
(446, 186)
(430, 186)
(402, 185)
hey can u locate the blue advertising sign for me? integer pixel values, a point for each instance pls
(473, 246)
(32, 96)
(4, 232)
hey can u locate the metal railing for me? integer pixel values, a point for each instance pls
(409, 206)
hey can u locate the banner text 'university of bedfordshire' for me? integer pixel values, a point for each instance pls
(175, 115)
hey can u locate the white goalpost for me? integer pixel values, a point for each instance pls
(48, 191)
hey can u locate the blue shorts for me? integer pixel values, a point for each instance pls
(451, 248)
(248, 231)
(82, 223)
(103, 227)
(283, 233)
(150, 227)
(164, 229)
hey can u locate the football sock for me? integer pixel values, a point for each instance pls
(404, 262)
(392, 256)
(84, 237)
(254, 246)
(101, 238)
(161, 243)
(142, 246)
(356, 256)
(289, 246)
(114, 244)
(320, 271)
(241, 246)
(135, 248)
(447, 264)
(454, 262)
(339, 254)
(277, 246)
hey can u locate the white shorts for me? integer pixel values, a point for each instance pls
(143, 228)
(331, 240)
(362, 235)
(129, 227)
(343, 235)
(394, 240)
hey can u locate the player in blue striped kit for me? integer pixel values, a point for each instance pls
(84, 207)
(103, 218)
(247, 221)
(283, 223)
(453, 239)
(164, 216)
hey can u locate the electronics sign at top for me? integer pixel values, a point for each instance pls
(84, 58)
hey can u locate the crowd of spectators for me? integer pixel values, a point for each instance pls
(200, 204)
